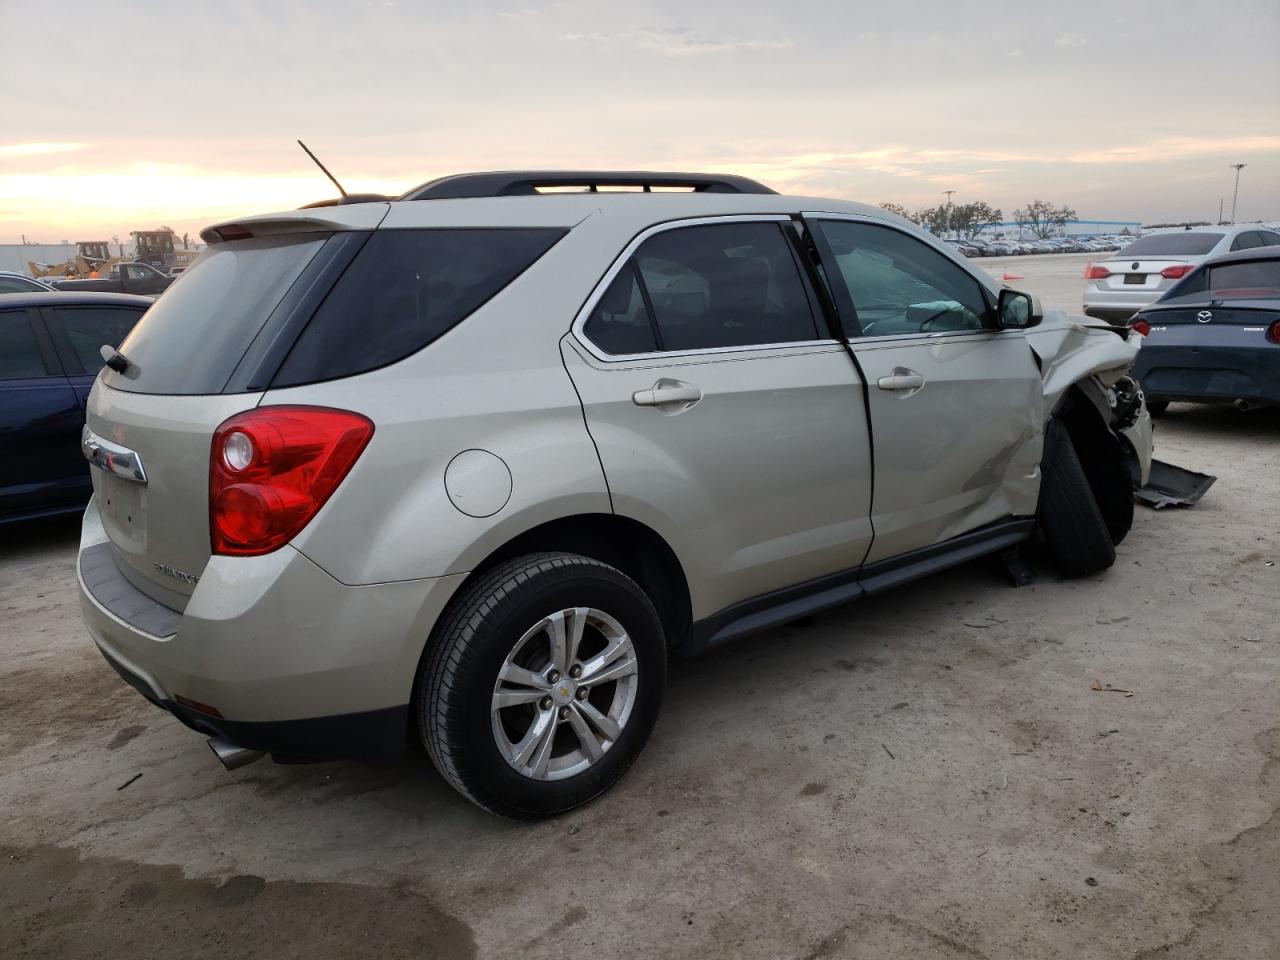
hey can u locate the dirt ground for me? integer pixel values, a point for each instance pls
(932, 773)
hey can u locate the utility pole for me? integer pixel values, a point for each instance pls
(1220, 199)
(1236, 193)
(948, 193)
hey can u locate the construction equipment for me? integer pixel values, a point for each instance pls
(90, 255)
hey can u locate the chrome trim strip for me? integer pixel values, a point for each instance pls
(111, 457)
(580, 321)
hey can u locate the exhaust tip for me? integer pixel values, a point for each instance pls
(232, 756)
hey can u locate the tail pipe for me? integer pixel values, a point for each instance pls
(233, 756)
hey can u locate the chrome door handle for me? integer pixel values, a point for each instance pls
(668, 393)
(901, 379)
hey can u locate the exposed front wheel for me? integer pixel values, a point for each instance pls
(1070, 519)
(542, 685)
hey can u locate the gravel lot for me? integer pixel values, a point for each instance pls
(931, 773)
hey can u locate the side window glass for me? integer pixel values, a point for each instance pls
(1245, 241)
(16, 285)
(19, 352)
(620, 323)
(88, 328)
(725, 285)
(1269, 239)
(900, 285)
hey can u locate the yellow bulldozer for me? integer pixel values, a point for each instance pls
(90, 255)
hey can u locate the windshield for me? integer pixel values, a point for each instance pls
(190, 341)
(1187, 244)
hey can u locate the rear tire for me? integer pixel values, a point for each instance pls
(505, 623)
(1157, 407)
(1072, 523)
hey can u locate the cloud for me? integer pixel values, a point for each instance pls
(38, 149)
(1071, 40)
(678, 42)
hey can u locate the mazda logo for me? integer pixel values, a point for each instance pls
(1204, 316)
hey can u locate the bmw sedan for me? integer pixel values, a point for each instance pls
(1215, 336)
(1148, 268)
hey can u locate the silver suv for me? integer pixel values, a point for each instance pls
(468, 465)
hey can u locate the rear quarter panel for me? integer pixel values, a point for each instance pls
(494, 383)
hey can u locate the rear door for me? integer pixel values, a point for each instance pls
(79, 333)
(726, 416)
(956, 404)
(39, 420)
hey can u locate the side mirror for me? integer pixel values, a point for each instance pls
(1016, 310)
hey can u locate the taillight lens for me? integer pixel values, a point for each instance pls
(1175, 273)
(271, 469)
(1273, 332)
(1140, 326)
(1097, 273)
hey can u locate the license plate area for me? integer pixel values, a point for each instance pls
(122, 505)
(1136, 278)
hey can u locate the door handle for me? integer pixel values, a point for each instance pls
(668, 393)
(901, 379)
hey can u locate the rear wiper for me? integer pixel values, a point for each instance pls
(113, 358)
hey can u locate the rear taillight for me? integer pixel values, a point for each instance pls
(1097, 273)
(1174, 273)
(1140, 326)
(271, 469)
(1273, 332)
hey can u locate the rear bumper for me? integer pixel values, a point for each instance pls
(291, 660)
(1209, 373)
(1117, 306)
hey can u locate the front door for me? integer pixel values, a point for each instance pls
(956, 402)
(726, 417)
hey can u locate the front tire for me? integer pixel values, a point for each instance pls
(1157, 407)
(542, 684)
(1072, 523)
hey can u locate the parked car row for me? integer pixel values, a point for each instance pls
(1015, 248)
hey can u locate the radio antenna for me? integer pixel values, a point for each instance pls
(323, 168)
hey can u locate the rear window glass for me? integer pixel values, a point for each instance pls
(191, 339)
(405, 289)
(1258, 278)
(1187, 244)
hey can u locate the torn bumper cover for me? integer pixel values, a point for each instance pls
(1171, 486)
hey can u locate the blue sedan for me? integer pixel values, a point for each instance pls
(1215, 335)
(49, 357)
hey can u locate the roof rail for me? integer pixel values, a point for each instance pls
(529, 182)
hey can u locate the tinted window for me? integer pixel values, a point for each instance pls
(1257, 278)
(620, 323)
(725, 285)
(19, 353)
(1269, 238)
(1185, 244)
(1246, 241)
(900, 285)
(190, 341)
(404, 289)
(88, 328)
(18, 285)
(137, 271)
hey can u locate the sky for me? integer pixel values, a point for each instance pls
(129, 115)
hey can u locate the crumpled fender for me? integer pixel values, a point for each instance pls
(1071, 349)
(1075, 351)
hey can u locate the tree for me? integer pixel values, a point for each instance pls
(1042, 217)
(970, 219)
(934, 219)
(899, 209)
